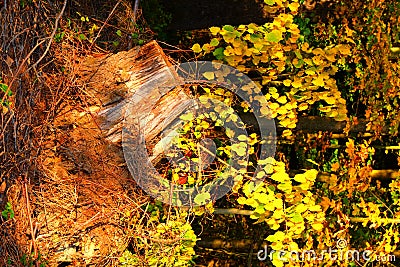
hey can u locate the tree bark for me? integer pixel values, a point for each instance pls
(127, 83)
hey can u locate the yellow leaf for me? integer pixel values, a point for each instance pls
(240, 148)
(263, 198)
(304, 47)
(341, 117)
(308, 61)
(319, 81)
(303, 106)
(282, 99)
(330, 100)
(273, 106)
(280, 177)
(331, 57)
(229, 51)
(278, 214)
(187, 117)
(278, 203)
(297, 83)
(301, 208)
(301, 178)
(317, 60)
(294, 6)
(238, 51)
(229, 132)
(317, 226)
(334, 113)
(279, 55)
(265, 111)
(175, 177)
(287, 82)
(286, 133)
(209, 75)
(344, 49)
(273, 90)
(311, 175)
(318, 51)
(274, 36)
(325, 109)
(241, 68)
(315, 208)
(196, 48)
(282, 110)
(274, 95)
(310, 71)
(206, 48)
(269, 2)
(285, 187)
(242, 137)
(215, 30)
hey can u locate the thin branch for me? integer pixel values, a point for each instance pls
(51, 36)
(30, 219)
(102, 26)
(135, 9)
(234, 211)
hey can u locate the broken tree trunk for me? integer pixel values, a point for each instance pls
(129, 82)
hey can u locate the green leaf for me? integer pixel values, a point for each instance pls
(228, 28)
(119, 33)
(4, 88)
(202, 198)
(274, 36)
(214, 42)
(297, 218)
(81, 36)
(219, 53)
(8, 212)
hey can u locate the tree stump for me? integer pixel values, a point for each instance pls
(134, 80)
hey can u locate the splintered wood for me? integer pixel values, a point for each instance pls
(130, 82)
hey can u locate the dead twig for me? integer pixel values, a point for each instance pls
(102, 26)
(28, 209)
(51, 36)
